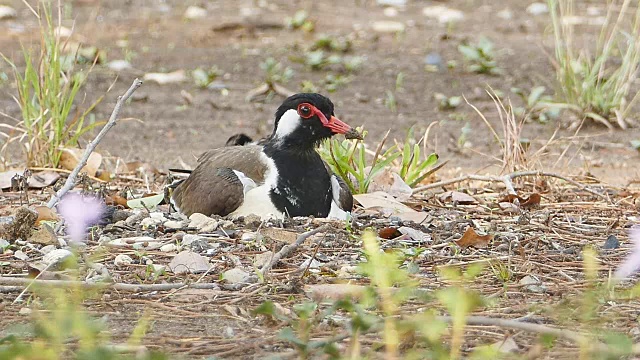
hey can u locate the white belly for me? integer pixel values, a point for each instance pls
(258, 202)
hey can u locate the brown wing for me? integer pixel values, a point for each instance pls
(213, 187)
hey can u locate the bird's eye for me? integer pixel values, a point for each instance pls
(304, 110)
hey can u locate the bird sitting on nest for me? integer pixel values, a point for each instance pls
(281, 175)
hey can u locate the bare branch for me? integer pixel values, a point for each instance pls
(71, 180)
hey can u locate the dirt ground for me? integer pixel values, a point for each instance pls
(164, 130)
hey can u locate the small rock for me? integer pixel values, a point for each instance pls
(168, 247)
(195, 12)
(537, 8)
(20, 255)
(202, 222)
(24, 311)
(262, 259)
(157, 215)
(119, 65)
(135, 218)
(235, 276)
(43, 236)
(310, 263)
(385, 26)
(166, 78)
(433, 59)
(149, 222)
(505, 14)
(398, 3)
(7, 12)
(158, 268)
(443, 14)
(611, 243)
(196, 243)
(55, 259)
(533, 284)
(248, 237)
(390, 12)
(189, 262)
(173, 224)
(189, 239)
(122, 259)
(414, 234)
(228, 332)
(47, 249)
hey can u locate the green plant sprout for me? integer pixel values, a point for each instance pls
(480, 57)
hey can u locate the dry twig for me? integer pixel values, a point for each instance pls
(71, 180)
(288, 249)
(507, 181)
(114, 286)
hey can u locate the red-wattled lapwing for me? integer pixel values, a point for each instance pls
(279, 176)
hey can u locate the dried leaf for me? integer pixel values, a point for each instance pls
(36, 181)
(45, 214)
(333, 292)
(391, 183)
(458, 198)
(381, 200)
(532, 201)
(417, 217)
(285, 236)
(389, 233)
(148, 202)
(471, 238)
(69, 159)
(116, 200)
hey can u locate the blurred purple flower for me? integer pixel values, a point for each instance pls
(632, 263)
(80, 212)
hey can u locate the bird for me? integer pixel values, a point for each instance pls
(279, 176)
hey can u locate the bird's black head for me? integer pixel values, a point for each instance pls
(303, 120)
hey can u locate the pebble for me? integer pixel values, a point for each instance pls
(157, 215)
(47, 249)
(189, 262)
(228, 332)
(434, 59)
(386, 26)
(398, 3)
(7, 12)
(235, 276)
(173, 224)
(537, 8)
(195, 12)
(390, 12)
(122, 260)
(20, 255)
(443, 14)
(43, 236)
(611, 243)
(202, 222)
(24, 311)
(533, 284)
(148, 222)
(505, 14)
(168, 247)
(248, 237)
(262, 259)
(119, 65)
(55, 258)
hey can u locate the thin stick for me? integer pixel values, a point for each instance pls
(71, 180)
(507, 181)
(288, 249)
(114, 286)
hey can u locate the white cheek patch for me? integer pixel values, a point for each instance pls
(288, 123)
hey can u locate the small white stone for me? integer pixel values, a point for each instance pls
(386, 26)
(148, 222)
(7, 12)
(202, 222)
(235, 275)
(122, 260)
(47, 249)
(505, 14)
(248, 236)
(537, 8)
(158, 268)
(24, 311)
(157, 215)
(119, 65)
(56, 257)
(195, 12)
(262, 259)
(188, 239)
(173, 224)
(168, 247)
(390, 12)
(444, 14)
